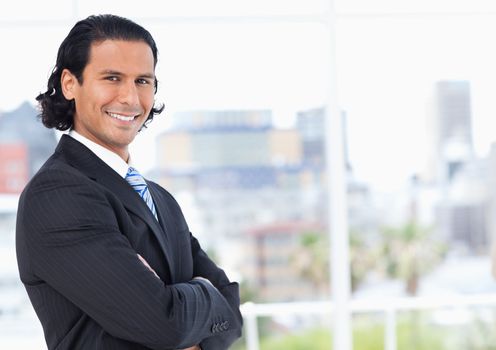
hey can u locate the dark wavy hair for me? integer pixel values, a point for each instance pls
(58, 112)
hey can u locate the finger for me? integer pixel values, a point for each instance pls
(147, 265)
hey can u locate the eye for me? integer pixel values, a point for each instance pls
(112, 78)
(143, 81)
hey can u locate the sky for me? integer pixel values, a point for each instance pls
(388, 56)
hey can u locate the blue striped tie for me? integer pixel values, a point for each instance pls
(134, 178)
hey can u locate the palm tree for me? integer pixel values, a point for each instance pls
(363, 258)
(311, 260)
(410, 251)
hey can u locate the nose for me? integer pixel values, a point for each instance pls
(128, 94)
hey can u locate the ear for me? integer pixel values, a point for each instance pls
(68, 83)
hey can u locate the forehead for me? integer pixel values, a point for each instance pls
(121, 55)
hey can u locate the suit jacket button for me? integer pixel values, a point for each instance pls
(215, 328)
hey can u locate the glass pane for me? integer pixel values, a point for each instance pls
(24, 76)
(239, 145)
(417, 96)
(264, 73)
(241, 148)
(214, 8)
(409, 7)
(446, 328)
(29, 10)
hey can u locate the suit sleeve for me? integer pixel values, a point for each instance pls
(203, 266)
(75, 245)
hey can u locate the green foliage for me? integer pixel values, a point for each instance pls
(212, 254)
(363, 259)
(368, 334)
(414, 332)
(247, 292)
(312, 239)
(311, 260)
(316, 339)
(409, 252)
(479, 334)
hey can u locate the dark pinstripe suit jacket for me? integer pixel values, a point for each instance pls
(79, 228)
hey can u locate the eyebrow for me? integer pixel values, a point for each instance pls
(114, 72)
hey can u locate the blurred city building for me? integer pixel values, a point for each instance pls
(249, 180)
(461, 179)
(231, 164)
(454, 141)
(465, 211)
(24, 146)
(14, 167)
(275, 262)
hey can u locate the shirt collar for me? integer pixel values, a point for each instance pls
(107, 156)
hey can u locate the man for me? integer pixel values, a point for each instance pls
(106, 258)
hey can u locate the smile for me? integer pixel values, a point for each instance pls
(122, 117)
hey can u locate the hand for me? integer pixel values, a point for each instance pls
(147, 265)
(196, 347)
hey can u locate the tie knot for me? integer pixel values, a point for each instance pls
(133, 176)
(131, 171)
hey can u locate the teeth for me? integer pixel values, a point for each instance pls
(121, 117)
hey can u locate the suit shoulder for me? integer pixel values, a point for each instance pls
(54, 171)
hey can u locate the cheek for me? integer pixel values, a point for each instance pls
(102, 96)
(147, 100)
(106, 99)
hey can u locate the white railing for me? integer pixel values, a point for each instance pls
(388, 306)
(25, 331)
(8, 203)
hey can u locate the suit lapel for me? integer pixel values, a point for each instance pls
(162, 224)
(134, 203)
(91, 165)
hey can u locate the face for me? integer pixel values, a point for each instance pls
(116, 94)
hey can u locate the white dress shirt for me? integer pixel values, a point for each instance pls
(110, 158)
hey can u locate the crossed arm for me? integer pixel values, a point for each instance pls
(195, 347)
(64, 226)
